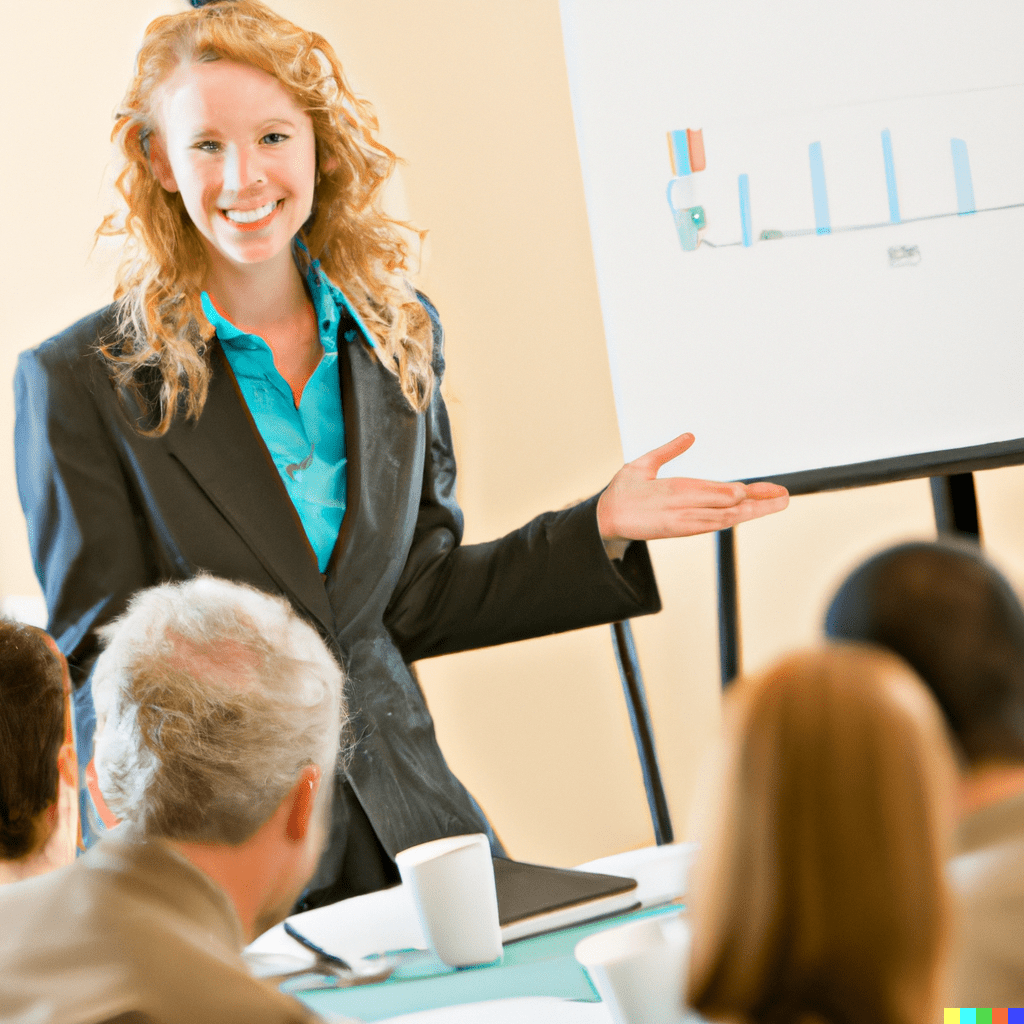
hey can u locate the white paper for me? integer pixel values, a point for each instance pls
(810, 350)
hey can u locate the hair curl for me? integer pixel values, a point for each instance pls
(211, 697)
(160, 335)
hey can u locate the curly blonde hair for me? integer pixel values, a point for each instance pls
(160, 319)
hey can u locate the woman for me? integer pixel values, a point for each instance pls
(820, 896)
(262, 402)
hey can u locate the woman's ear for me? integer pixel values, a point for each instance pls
(160, 165)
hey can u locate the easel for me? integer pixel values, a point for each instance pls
(956, 512)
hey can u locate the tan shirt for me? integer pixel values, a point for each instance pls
(987, 965)
(131, 932)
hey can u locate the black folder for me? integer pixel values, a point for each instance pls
(533, 898)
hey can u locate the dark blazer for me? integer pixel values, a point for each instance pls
(110, 511)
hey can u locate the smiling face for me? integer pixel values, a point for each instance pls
(242, 153)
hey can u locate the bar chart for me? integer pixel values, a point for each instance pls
(743, 201)
(807, 228)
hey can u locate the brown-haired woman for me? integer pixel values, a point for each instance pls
(263, 402)
(820, 895)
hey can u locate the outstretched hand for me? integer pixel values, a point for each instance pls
(636, 505)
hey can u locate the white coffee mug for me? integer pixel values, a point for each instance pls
(639, 969)
(452, 885)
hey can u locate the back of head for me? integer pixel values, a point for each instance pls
(211, 697)
(820, 893)
(33, 711)
(949, 613)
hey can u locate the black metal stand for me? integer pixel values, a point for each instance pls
(728, 607)
(956, 506)
(956, 514)
(643, 732)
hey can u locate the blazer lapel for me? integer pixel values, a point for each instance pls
(383, 447)
(226, 457)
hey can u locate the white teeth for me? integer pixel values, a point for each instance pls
(248, 216)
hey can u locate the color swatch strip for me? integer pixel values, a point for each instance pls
(975, 1015)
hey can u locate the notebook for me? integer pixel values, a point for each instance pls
(533, 898)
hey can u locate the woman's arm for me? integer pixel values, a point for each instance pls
(554, 573)
(549, 576)
(86, 534)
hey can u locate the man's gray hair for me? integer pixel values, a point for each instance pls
(211, 697)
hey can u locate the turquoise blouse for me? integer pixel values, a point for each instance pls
(306, 443)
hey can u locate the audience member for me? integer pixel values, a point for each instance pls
(948, 612)
(819, 896)
(218, 720)
(38, 770)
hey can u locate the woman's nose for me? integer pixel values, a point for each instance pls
(241, 168)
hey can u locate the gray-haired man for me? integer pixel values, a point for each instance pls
(219, 715)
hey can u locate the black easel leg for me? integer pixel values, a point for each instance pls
(956, 506)
(643, 732)
(728, 607)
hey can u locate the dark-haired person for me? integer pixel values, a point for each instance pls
(38, 768)
(220, 714)
(263, 402)
(947, 611)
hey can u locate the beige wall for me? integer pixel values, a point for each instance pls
(474, 96)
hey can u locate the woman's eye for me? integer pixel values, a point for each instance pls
(208, 146)
(273, 137)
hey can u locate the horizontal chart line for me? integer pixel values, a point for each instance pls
(797, 233)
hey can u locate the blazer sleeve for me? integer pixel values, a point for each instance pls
(85, 533)
(551, 575)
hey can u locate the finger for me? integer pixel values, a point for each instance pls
(765, 489)
(684, 492)
(657, 458)
(754, 509)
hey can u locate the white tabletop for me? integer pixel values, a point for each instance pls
(387, 920)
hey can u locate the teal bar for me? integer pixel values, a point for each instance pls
(964, 185)
(890, 177)
(968, 1015)
(822, 222)
(748, 235)
(681, 153)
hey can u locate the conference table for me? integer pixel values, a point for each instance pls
(537, 981)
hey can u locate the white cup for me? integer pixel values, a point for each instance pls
(639, 969)
(452, 885)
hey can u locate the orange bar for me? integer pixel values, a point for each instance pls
(1000, 1016)
(695, 144)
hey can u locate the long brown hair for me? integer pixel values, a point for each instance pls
(820, 895)
(360, 248)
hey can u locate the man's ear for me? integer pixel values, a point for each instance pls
(302, 800)
(160, 165)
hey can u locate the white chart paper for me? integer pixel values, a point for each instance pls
(857, 291)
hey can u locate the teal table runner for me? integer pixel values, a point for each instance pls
(540, 966)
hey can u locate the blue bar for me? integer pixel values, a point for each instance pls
(962, 173)
(890, 177)
(821, 217)
(748, 238)
(680, 152)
